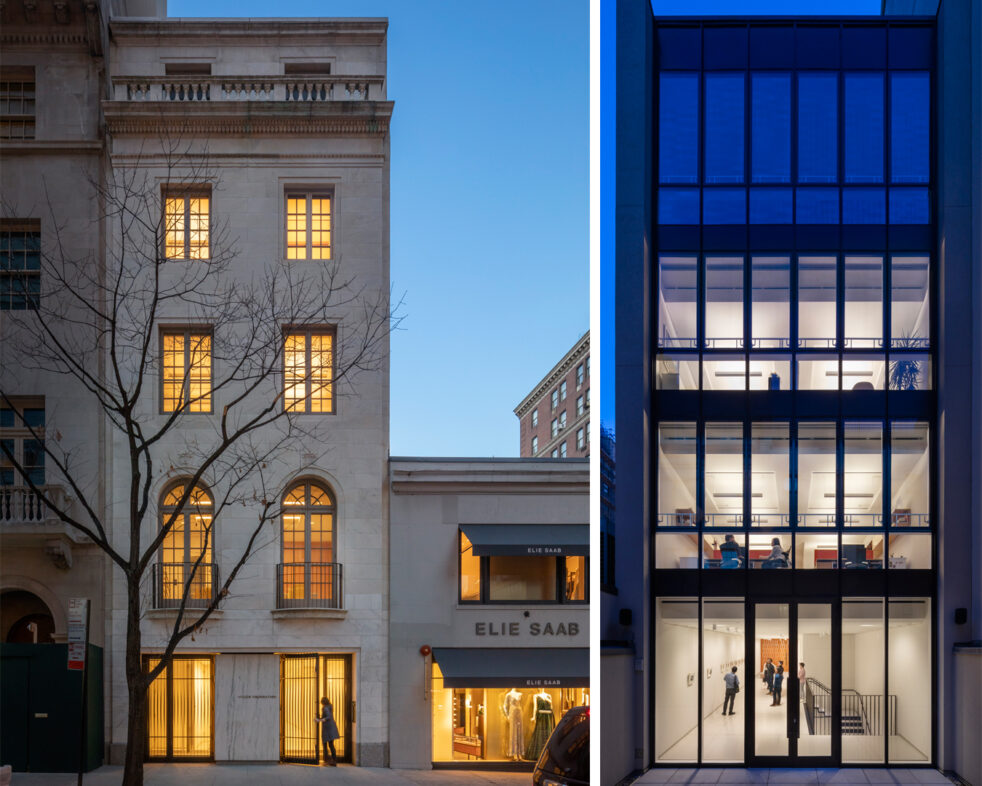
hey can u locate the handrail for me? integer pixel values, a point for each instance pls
(259, 87)
(173, 580)
(309, 585)
(865, 707)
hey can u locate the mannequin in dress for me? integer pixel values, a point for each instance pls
(545, 722)
(511, 708)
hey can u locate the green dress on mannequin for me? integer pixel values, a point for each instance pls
(544, 724)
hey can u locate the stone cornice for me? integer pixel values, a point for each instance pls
(489, 476)
(580, 350)
(365, 31)
(339, 118)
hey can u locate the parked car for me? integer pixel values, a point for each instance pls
(565, 759)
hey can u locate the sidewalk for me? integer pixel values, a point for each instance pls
(852, 776)
(274, 775)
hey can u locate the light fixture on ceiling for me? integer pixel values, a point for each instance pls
(734, 494)
(738, 373)
(850, 494)
(849, 373)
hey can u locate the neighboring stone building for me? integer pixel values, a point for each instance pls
(555, 417)
(489, 604)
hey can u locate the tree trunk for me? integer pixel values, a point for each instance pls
(136, 689)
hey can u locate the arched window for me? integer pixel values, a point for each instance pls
(189, 537)
(309, 576)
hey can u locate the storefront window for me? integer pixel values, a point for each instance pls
(496, 724)
(724, 550)
(676, 679)
(180, 713)
(863, 720)
(522, 578)
(723, 650)
(576, 579)
(470, 572)
(910, 653)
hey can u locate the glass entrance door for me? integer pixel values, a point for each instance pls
(791, 690)
(304, 681)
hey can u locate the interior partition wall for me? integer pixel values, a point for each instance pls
(793, 393)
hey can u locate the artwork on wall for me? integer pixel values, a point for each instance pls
(689, 679)
(709, 673)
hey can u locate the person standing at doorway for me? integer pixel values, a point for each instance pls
(329, 731)
(732, 689)
(769, 676)
(778, 684)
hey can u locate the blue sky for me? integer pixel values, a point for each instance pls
(489, 210)
(607, 130)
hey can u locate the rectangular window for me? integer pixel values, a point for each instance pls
(677, 474)
(562, 390)
(818, 128)
(910, 127)
(186, 378)
(676, 676)
(816, 302)
(580, 441)
(863, 475)
(864, 128)
(308, 226)
(20, 265)
(579, 376)
(555, 399)
(771, 206)
(770, 478)
(17, 109)
(863, 301)
(724, 206)
(723, 647)
(770, 313)
(770, 137)
(22, 434)
(817, 205)
(555, 453)
(554, 427)
(910, 206)
(863, 678)
(579, 405)
(678, 206)
(724, 131)
(909, 474)
(864, 206)
(909, 652)
(562, 419)
(910, 306)
(308, 371)
(724, 302)
(724, 474)
(470, 572)
(562, 449)
(677, 288)
(816, 475)
(187, 223)
(535, 445)
(180, 711)
(678, 129)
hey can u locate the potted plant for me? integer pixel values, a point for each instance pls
(905, 374)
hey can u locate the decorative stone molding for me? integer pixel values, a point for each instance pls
(580, 350)
(252, 32)
(59, 550)
(299, 614)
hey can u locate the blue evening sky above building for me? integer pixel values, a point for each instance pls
(489, 205)
(608, 129)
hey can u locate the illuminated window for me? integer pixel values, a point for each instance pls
(189, 539)
(470, 572)
(17, 103)
(310, 577)
(20, 265)
(308, 372)
(180, 711)
(187, 222)
(186, 365)
(308, 226)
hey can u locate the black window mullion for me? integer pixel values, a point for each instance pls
(309, 233)
(308, 370)
(187, 227)
(747, 469)
(793, 474)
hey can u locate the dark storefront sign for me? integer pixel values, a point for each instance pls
(539, 540)
(520, 666)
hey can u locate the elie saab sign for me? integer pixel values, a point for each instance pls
(545, 629)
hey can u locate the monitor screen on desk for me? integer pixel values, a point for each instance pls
(853, 554)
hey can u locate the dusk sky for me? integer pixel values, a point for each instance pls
(489, 210)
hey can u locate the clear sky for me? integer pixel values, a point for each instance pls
(489, 210)
(607, 131)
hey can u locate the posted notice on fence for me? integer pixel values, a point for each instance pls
(78, 632)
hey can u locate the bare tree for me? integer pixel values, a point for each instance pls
(98, 328)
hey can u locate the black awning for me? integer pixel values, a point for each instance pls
(519, 667)
(515, 540)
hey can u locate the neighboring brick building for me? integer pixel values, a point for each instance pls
(555, 415)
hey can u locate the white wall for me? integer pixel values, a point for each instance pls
(910, 680)
(815, 649)
(676, 656)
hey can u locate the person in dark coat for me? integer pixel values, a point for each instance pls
(778, 683)
(769, 675)
(329, 731)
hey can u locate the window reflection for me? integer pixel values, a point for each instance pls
(724, 128)
(864, 127)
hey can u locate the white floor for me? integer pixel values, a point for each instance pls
(722, 741)
(786, 776)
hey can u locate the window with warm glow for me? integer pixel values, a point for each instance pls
(187, 224)
(189, 538)
(470, 572)
(309, 572)
(308, 226)
(308, 371)
(180, 712)
(186, 371)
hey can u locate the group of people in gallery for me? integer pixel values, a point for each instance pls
(773, 678)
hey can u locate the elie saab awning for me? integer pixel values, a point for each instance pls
(519, 667)
(512, 540)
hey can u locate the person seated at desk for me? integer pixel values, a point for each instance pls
(777, 558)
(730, 554)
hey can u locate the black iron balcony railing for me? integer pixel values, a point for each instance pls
(308, 585)
(171, 579)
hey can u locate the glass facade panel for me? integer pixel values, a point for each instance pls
(770, 552)
(724, 550)
(678, 205)
(771, 206)
(863, 474)
(863, 372)
(770, 314)
(863, 127)
(910, 552)
(910, 124)
(910, 304)
(770, 372)
(724, 128)
(770, 136)
(818, 372)
(677, 474)
(724, 474)
(677, 300)
(676, 622)
(816, 301)
(675, 551)
(723, 652)
(863, 322)
(910, 461)
(813, 672)
(724, 302)
(677, 372)
(864, 206)
(816, 474)
(817, 205)
(910, 371)
(724, 206)
(724, 372)
(862, 552)
(771, 642)
(770, 479)
(910, 206)
(816, 552)
(818, 129)
(863, 720)
(678, 128)
(910, 699)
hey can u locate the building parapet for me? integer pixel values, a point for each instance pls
(291, 89)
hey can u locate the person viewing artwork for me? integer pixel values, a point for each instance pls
(778, 683)
(769, 676)
(732, 689)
